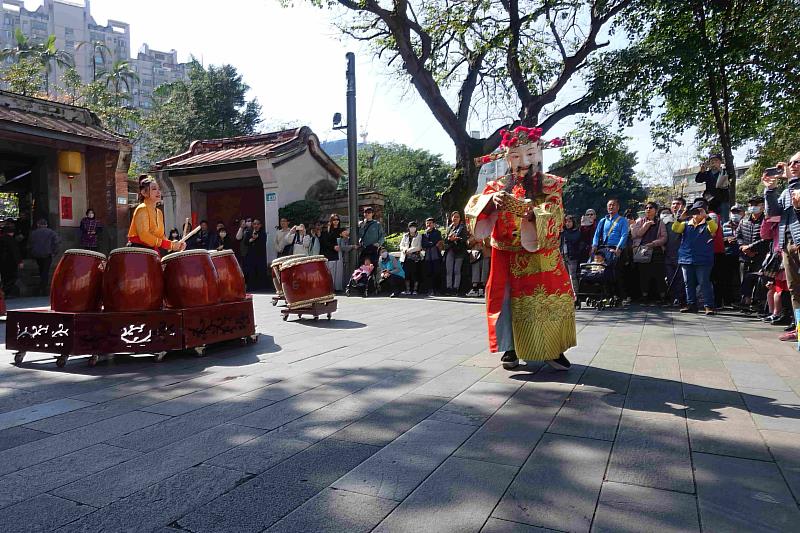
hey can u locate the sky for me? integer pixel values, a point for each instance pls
(293, 59)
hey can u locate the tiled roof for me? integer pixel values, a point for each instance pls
(54, 117)
(249, 148)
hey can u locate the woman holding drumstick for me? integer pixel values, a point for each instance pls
(147, 222)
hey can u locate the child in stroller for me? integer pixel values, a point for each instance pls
(361, 279)
(595, 283)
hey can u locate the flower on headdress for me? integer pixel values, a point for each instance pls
(486, 159)
(557, 142)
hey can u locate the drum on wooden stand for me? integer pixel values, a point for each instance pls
(77, 285)
(276, 271)
(133, 280)
(230, 279)
(190, 279)
(306, 281)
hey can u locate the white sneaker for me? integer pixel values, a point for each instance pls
(405, 293)
(472, 293)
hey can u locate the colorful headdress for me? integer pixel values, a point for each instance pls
(517, 137)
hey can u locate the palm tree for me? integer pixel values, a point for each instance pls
(23, 47)
(120, 73)
(47, 53)
(98, 47)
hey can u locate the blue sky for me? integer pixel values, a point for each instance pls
(294, 61)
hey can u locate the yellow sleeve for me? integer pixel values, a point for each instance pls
(142, 223)
(678, 226)
(712, 226)
(549, 219)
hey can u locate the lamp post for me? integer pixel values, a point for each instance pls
(352, 147)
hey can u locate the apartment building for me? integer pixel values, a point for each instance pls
(72, 24)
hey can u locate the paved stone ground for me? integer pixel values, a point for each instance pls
(393, 418)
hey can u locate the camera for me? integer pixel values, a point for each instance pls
(773, 171)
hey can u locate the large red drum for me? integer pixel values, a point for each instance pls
(190, 279)
(306, 281)
(230, 279)
(77, 285)
(276, 271)
(133, 280)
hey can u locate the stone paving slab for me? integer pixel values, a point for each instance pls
(268, 497)
(755, 496)
(422, 428)
(558, 485)
(335, 511)
(39, 411)
(465, 491)
(652, 452)
(630, 508)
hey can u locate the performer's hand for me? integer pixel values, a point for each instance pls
(769, 181)
(618, 251)
(499, 199)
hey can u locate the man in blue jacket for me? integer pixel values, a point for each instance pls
(612, 234)
(787, 206)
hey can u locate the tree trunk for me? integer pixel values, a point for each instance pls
(463, 180)
(730, 167)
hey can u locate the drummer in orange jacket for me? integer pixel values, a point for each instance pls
(147, 223)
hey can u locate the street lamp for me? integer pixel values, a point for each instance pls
(352, 147)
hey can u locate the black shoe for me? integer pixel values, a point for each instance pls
(562, 363)
(783, 320)
(689, 309)
(510, 360)
(790, 327)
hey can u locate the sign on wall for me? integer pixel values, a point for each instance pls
(66, 208)
(272, 197)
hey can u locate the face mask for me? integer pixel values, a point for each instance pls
(384, 255)
(735, 218)
(667, 219)
(754, 209)
(223, 234)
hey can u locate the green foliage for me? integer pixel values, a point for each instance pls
(392, 242)
(721, 66)
(412, 179)
(210, 105)
(24, 77)
(112, 109)
(608, 173)
(72, 85)
(301, 212)
(118, 74)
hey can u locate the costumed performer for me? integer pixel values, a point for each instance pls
(147, 222)
(529, 295)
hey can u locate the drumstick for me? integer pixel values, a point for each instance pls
(186, 226)
(188, 235)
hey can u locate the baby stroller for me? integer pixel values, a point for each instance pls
(596, 286)
(360, 283)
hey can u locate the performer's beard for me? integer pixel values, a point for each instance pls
(530, 179)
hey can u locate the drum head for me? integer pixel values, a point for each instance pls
(88, 253)
(185, 253)
(302, 261)
(278, 261)
(220, 253)
(134, 250)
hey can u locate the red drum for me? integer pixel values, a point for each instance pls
(276, 271)
(306, 281)
(133, 280)
(230, 279)
(190, 279)
(77, 285)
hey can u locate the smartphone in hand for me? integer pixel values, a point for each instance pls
(773, 171)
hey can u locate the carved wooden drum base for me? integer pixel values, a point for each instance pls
(150, 332)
